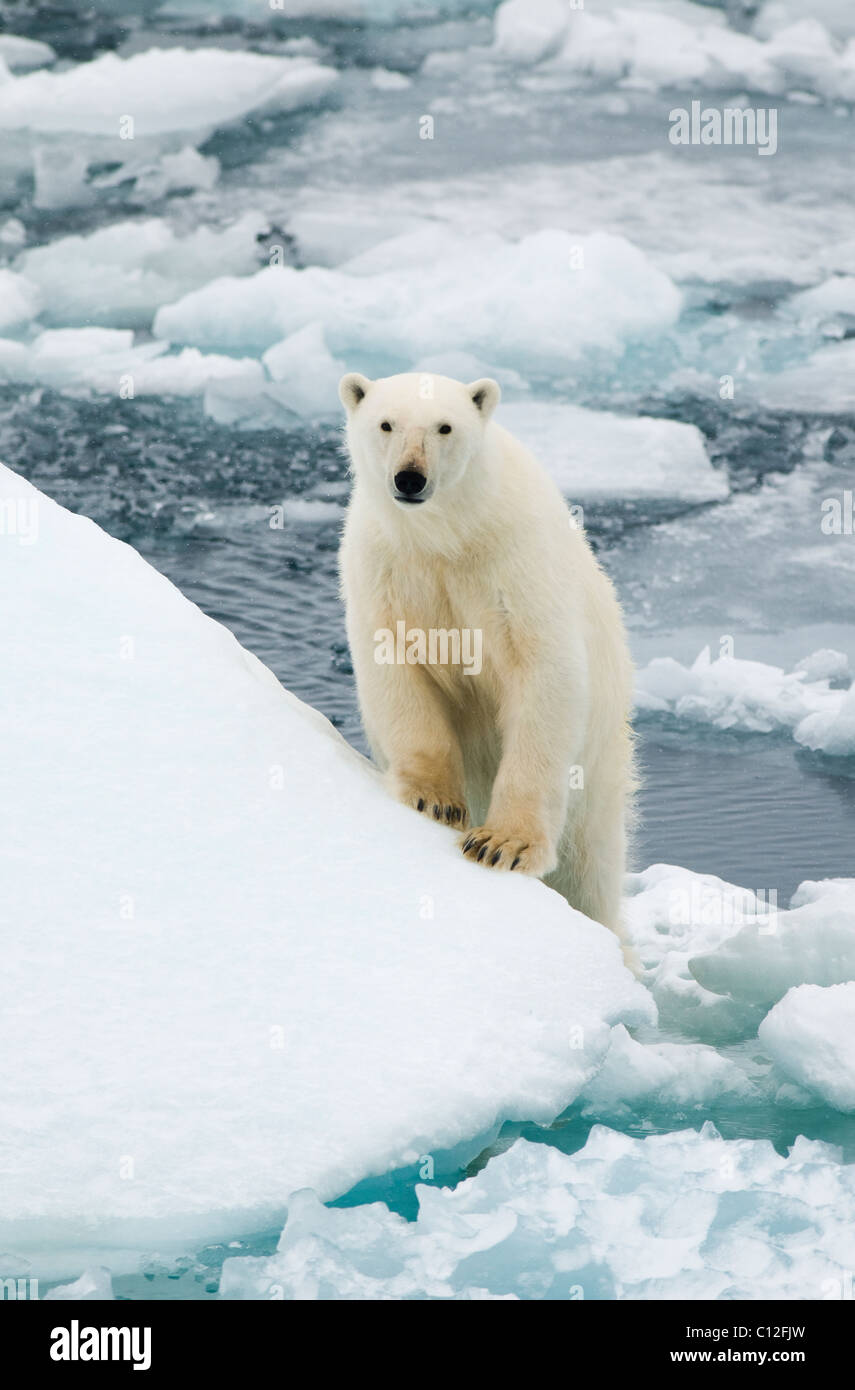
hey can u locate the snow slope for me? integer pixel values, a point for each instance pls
(233, 967)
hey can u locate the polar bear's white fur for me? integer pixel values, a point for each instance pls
(454, 525)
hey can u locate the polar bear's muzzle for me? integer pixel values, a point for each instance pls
(411, 486)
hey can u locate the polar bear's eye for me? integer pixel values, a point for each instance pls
(445, 429)
(385, 425)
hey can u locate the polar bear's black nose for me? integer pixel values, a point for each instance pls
(409, 482)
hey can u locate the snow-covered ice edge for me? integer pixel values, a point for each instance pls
(236, 967)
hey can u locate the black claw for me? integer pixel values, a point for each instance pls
(482, 852)
(437, 812)
(496, 857)
(516, 861)
(420, 805)
(467, 845)
(449, 812)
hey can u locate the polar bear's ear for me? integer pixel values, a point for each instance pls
(485, 395)
(352, 388)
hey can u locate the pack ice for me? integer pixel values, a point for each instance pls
(233, 966)
(560, 297)
(679, 1215)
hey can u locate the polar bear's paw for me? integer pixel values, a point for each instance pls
(437, 803)
(511, 850)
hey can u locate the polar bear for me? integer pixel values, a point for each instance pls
(454, 527)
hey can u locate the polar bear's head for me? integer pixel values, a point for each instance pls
(413, 437)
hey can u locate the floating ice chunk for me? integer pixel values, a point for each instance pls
(561, 297)
(643, 1076)
(665, 43)
(825, 665)
(253, 994)
(72, 344)
(314, 510)
(164, 90)
(60, 177)
(833, 300)
(185, 170)
(826, 382)
(832, 730)
(805, 54)
(593, 454)
(811, 943)
(20, 300)
(386, 81)
(307, 370)
(305, 379)
(775, 15)
(673, 915)
(105, 360)
(13, 233)
(680, 1215)
(730, 693)
(22, 55)
(810, 1035)
(93, 1285)
(530, 30)
(185, 373)
(15, 361)
(121, 274)
(255, 404)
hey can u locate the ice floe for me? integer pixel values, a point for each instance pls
(562, 297)
(22, 55)
(673, 43)
(810, 1034)
(752, 696)
(120, 275)
(593, 454)
(20, 300)
(161, 91)
(106, 361)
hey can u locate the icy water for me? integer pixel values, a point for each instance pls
(197, 498)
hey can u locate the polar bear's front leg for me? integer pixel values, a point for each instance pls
(412, 737)
(528, 805)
